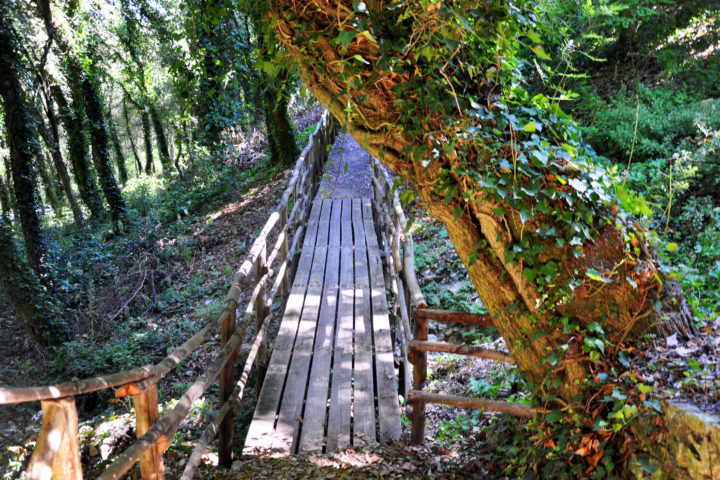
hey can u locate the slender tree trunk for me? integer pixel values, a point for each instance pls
(5, 197)
(23, 148)
(126, 116)
(101, 150)
(117, 149)
(147, 138)
(52, 140)
(160, 137)
(42, 318)
(49, 185)
(72, 118)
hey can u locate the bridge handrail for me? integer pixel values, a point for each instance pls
(414, 343)
(58, 405)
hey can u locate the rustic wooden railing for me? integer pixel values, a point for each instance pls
(399, 251)
(57, 451)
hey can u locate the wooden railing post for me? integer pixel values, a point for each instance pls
(227, 379)
(419, 359)
(285, 284)
(260, 312)
(57, 452)
(146, 413)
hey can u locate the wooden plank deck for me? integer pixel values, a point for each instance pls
(331, 380)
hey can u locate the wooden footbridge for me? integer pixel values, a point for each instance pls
(340, 360)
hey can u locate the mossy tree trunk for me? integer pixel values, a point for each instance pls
(539, 250)
(23, 148)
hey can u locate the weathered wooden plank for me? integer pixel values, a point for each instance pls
(315, 411)
(146, 414)
(289, 415)
(339, 414)
(260, 432)
(363, 371)
(387, 391)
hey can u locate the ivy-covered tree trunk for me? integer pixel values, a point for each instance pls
(72, 118)
(147, 139)
(23, 147)
(101, 149)
(280, 133)
(161, 138)
(41, 316)
(128, 130)
(117, 150)
(555, 262)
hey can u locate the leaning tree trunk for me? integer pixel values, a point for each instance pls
(42, 318)
(101, 150)
(23, 148)
(540, 246)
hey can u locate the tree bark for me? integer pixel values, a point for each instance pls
(160, 137)
(445, 156)
(117, 150)
(147, 138)
(23, 148)
(101, 149)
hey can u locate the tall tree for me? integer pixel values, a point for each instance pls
(117, 148)
(22, 143)
(438, 100)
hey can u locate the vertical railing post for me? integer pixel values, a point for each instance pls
(260, 313)
(285, 282)
(58, 446)
(419, 359)
(227, 378)
(146, 413)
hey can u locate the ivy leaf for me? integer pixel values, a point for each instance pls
(345, 38)
(554, 416)
(540, 52)
(534, 36)
(596, 328)
(671, 247)
(597, 276)
(530, 127)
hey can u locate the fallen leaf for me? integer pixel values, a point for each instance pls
(672, 340)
